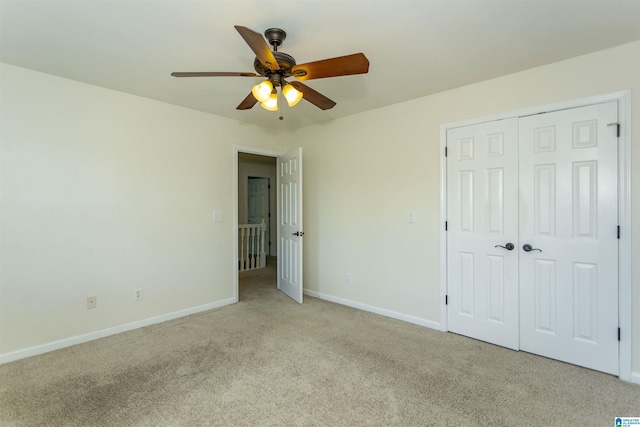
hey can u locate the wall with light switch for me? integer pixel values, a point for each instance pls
(104, 194)
(365, 174)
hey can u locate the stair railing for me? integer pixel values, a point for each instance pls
(251, 239)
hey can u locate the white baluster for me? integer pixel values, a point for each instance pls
(252, 240)
(248, 231)
(253, 249)
(263, 256)
(249, 260)
(241, 249)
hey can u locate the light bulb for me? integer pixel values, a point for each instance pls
(262, 91)
(292, 95)
(271, 103)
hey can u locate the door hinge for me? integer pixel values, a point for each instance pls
(446, 225)
(445, 151)
(617, 125)
(618, 334)
(446, 300)
(618, 232)
(269, 186)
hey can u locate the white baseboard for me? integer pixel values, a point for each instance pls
(635, 377)
(377, 310)
(79, 339)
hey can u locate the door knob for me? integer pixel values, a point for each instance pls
(508, 246)
(529, 248)
(298, 233)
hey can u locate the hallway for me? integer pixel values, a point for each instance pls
(254, 283)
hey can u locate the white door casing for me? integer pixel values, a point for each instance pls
(290, 231)
(568, 210)
(482, 179)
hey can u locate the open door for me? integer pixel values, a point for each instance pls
(290, 224)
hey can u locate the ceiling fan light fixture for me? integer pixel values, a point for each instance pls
(271, 103)
(292, 95)
(275, 66)
(262, 91)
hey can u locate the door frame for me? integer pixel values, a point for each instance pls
(250, 150)
(624, 208)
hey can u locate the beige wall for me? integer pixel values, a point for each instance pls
(103, 192)
(363, 173)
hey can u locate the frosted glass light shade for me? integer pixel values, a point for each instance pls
(262, 90)
(292, 95)
(271, 103)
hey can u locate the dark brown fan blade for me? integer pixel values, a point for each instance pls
(247, 103)
(316, 98)
(259, 45)
(213, 74)
(332, 67)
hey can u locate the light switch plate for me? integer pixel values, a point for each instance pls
(217, 216)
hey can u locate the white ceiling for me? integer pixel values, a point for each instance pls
(415, 48)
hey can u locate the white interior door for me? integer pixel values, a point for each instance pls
(258, 203)
(568, 210)
(290, 224)
(482, 212)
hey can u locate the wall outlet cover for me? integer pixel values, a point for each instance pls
(91, 302)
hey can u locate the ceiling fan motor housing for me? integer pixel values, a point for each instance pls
(286, 62)
(276, 36)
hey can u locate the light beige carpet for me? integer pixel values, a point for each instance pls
(270, 361)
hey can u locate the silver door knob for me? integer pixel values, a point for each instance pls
(529, 248)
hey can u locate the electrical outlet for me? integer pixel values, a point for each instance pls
(91, 302)
(348, 278)
(137, 294)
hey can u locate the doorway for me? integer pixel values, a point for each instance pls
(513, 285)
(257, 194)
(285, 199)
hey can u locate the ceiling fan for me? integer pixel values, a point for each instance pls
(277, 66)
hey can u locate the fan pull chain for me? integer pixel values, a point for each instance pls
(280, 99)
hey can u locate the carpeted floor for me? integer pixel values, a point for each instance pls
(270, 361)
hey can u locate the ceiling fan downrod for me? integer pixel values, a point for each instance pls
(275, 36)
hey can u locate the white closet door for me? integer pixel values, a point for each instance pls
(568, 210)
(482, 180)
